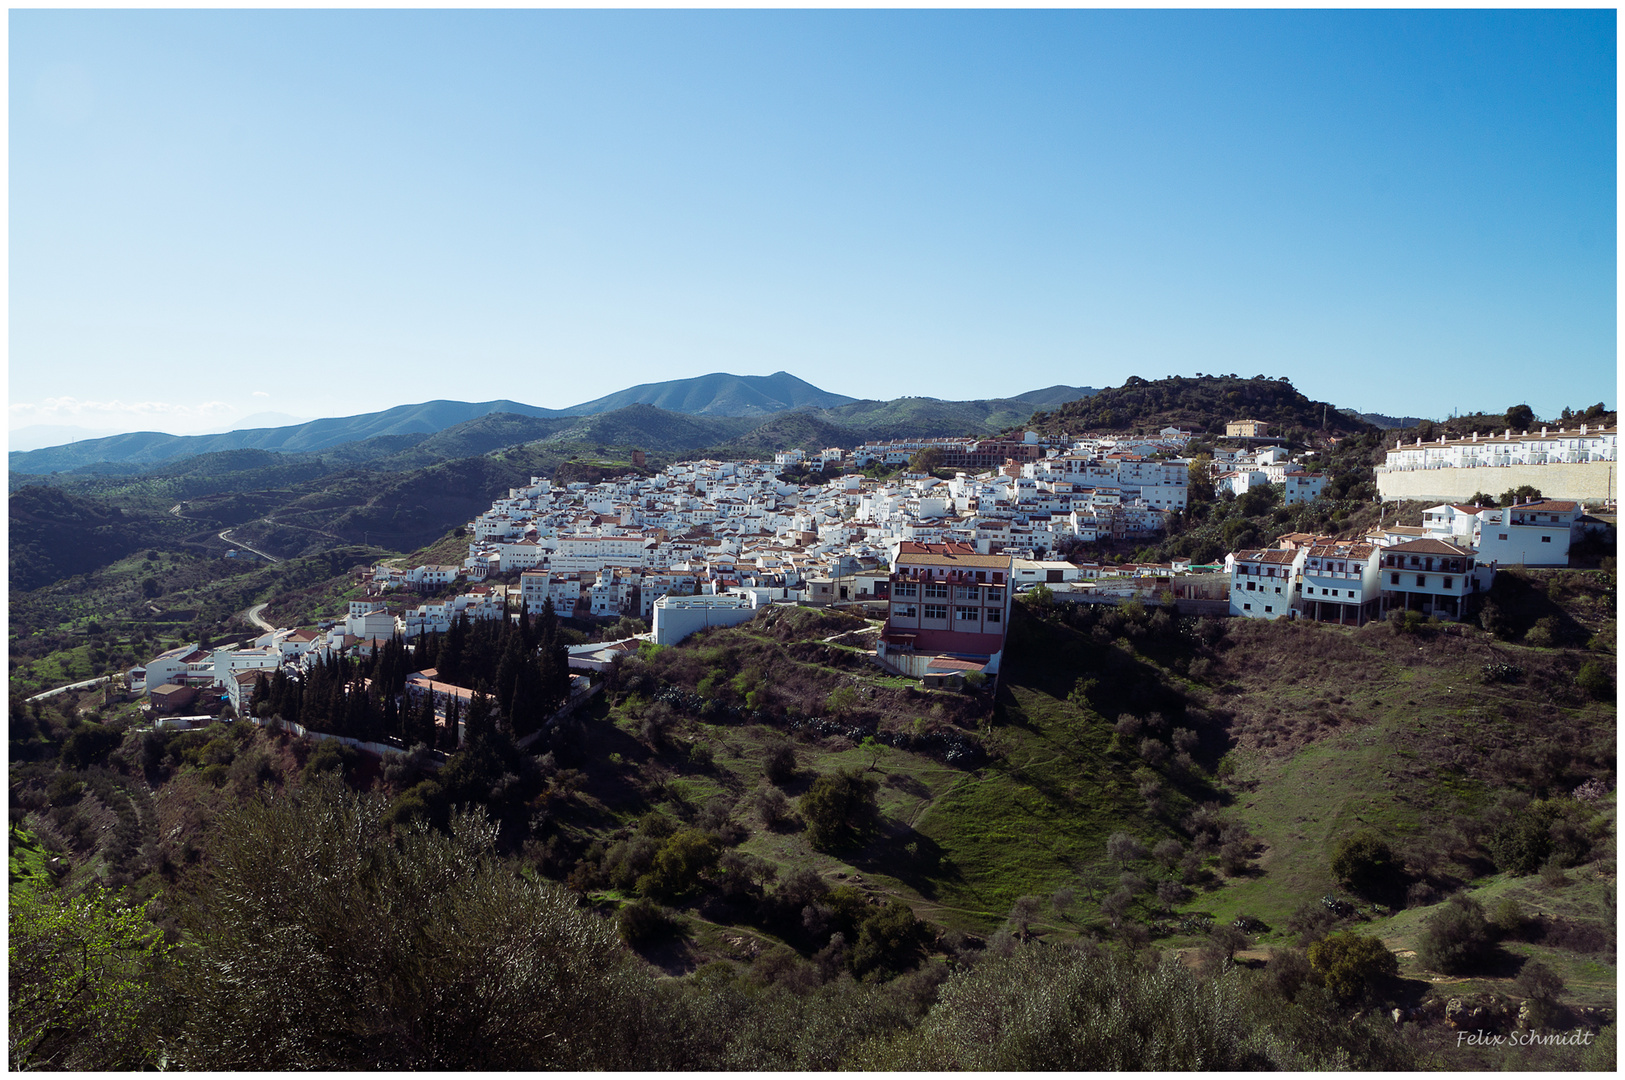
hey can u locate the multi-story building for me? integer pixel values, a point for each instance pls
(1264, 582)
(948, 598)
(1586, 443)
(1432, 576)
(1341, 582)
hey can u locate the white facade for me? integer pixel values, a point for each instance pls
(1544, 447)
(676, 617)
(1264, 583)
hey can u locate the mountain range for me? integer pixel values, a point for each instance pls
(683, 414)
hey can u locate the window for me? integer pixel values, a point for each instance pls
(1421, 580)
(1395, 579)
(1502, 536)
(968, 614)
(1246, 607)
(1450, 583)
(992, 615)
(1545, 539)
(1251, 586)
(936, 590)
(907, 611)
(1267, 610)
(907, 589)
(936, 611)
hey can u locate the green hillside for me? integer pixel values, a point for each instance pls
(1203, 404)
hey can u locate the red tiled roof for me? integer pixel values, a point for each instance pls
(1430, 546)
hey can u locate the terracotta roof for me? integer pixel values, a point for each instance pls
(1431, 546)
(1550, 506)
(1342, 549)
(1276, 556)
(917, 554)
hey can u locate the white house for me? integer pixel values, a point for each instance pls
(1341, 582)
(1264, 583)
(1530, 534)
(1432, 576)
(676, 617)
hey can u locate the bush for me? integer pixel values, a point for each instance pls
(886, 941)
(840, 808)
(678, 866)
(773, 806)
(1596, 679)
(1507, 917)
(1364, 863)
(1555, 830)
(781, 763)
(1540, 987)
(1456, 938)
(1350, 962)
(644, 922)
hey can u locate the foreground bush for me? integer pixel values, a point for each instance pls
(330, 942)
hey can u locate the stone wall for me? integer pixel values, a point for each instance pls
(1585, 481)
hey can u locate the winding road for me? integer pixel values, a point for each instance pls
(86, 685)
(255, 615)
(224, 535)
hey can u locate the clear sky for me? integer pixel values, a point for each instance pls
(321, 213)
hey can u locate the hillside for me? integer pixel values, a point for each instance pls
(1203, 404)
(718, 394)
(1136, 782)
(152, 448)
(1051, 396)
(53, 535)
(652, 428)
(726, 400)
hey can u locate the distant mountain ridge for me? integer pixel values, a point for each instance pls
(719, 395)
(727, 404)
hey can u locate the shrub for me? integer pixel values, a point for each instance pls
(1540, 987)
(1554, 830)
(1350, 962)
(1364, 863)
(773, 806)
(644, 922)
(1122, 848)
(1235, 857)
(1456, 938)
(839, 808)
(886, 941)
(1544, 634)
(1595, 679)
(679, 864)
(1406, 622)
(1507, 917)
(781, 763)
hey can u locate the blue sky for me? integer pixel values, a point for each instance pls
(219, 214)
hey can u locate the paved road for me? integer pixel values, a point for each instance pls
(227, 538)
(255, 616)
(86, 685)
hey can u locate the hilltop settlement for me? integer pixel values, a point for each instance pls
(934, 552)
